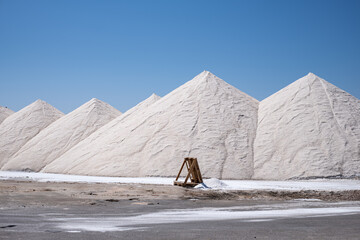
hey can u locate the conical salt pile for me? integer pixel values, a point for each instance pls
(20, 127)
(62, 135)
(4, 113)
(104, 132)
(310, 128)
(206, 118)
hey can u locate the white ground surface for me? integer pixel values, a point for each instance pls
(257, 213)
(320, 184)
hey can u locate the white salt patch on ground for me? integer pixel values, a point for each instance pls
(320, 184)
(114, 223)
(50, 177)
(307, 200)
(259, 220)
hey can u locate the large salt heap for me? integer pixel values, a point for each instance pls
(206, 118)
(20, 127)
(103, 133)
(62, 135)
(310, 128)
(4, 113)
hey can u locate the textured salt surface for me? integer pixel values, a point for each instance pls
(4, 113)
(62, 135)
(308, 129)
(205, 117)
(20, 127)
(100, 135)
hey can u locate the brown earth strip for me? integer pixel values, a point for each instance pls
(27, 193)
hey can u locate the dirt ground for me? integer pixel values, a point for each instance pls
(28, 193)
(35, 210)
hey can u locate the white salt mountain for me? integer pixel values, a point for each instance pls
(310, 128)
(4, 113)
(104, 132)
(62, 135)
(205, 118)
(20, 127)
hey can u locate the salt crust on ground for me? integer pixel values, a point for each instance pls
(62, 135)
(206, 118)
(4, 113)
(20, 127)
(310, 128)
(171, 216)
(318, 184)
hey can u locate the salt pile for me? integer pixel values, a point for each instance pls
(4, 113)
(23, 125)
(62, 135)
(212, 183)
(102, 133)
(308, 129)
(206, 118)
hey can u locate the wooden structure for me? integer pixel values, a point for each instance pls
(193, 173)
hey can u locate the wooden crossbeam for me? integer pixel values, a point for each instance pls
(194, 173)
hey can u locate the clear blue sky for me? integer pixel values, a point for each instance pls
(69, 51)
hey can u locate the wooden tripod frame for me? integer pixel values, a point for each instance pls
(193, 173)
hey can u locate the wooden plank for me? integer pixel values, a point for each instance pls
(187, 177)
(182, 166)
(192, 168)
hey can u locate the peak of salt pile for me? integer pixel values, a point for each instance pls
(62, 135)
(308, 129)
(20, 127)
(205, 117)
(4, 113)
(141, 106)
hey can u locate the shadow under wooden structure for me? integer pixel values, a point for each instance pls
(193, 173)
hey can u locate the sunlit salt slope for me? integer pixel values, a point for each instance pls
(62, 135)
(20, 127)
(104, 132)
(4, 113)
(310, 128)
(205, 118)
